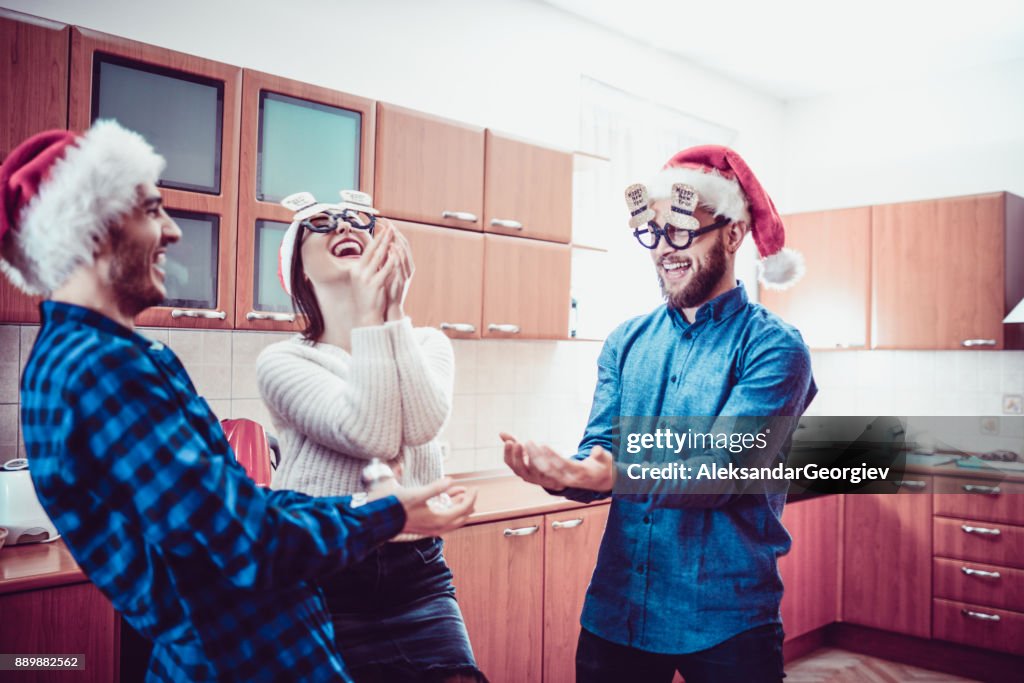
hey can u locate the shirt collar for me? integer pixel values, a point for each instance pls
(60, 312)
(719, 308)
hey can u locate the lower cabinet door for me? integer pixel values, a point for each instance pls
(810, 571)
(498, 570)
(986, 627)
(571, 543)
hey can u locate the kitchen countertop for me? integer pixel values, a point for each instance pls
(500, 496)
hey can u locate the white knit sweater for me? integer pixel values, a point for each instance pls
(333, 411)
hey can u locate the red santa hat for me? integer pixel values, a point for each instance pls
(59, 192)
(728, 188)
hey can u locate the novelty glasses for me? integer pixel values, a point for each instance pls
(680, 228)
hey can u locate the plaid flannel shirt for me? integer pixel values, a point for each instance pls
(134, 470)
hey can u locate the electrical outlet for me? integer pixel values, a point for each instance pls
(1013, 404)
(990, 426)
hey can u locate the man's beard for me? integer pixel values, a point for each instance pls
(702, 282)
(131, 274)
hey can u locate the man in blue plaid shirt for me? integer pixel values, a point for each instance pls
(132, 465)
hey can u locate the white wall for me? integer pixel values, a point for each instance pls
(512, 65)
(956, 133)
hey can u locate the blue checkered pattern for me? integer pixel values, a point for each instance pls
(134, 470)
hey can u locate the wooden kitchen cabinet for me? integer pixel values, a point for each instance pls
(831, 304)
(446, 290)
(526, 288)
(65, 620)
(188, 109)
(887, 558)
(570, 550)
(946, 272)
(527, 189)
(428, 169)
(498, 570)
(34, 71)
(296, 137)
(810, 571)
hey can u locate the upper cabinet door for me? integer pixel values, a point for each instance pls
(938, 273)
(526, 288)
(295, 138)
(34, 73)
(188, 109)
(528, 190)
(445, 291)
(429, 170)
(830, 305)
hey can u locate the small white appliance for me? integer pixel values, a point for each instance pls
(20, 511)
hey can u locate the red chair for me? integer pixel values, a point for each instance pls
(254, 449)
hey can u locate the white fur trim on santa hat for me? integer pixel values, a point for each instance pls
(782, 269)
(716, 193)
(93, 185)
(286, 254)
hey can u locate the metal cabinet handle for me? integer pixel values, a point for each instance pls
(522, 531)
(458, 327)
(977, 342)
(197, 313)
(567, 524)
(981, 616)
(505, 223)
(974, 488)
(841, 345)
(460, 216)
(276, 317)
(504, 327)
(983, 531)
(912, 484)
(980, 572)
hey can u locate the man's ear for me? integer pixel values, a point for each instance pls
(734, 234)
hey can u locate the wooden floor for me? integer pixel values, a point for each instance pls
(829, 665)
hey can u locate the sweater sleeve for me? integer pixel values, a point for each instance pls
(358, 415)
(425, 375)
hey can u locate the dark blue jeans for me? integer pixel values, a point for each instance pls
(396, 619)
(754, 656)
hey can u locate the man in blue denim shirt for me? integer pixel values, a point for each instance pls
(687, 576)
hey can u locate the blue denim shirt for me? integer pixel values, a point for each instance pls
(679, 573)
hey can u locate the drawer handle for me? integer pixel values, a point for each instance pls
(980, 616)
(911, 484)
(503, 327)
(977, 342)
(464, 216)
(522, 531)
(509, 224)
(974, 488)
(567, 524)
(197, 313)
(980, 573)
(980, 530)
(276, 317)
(458, 327)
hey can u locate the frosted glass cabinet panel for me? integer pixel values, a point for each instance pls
(269, 294)
(179, 114)
(306, 146)
(191, 265)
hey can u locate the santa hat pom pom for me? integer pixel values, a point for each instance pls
(782, 269)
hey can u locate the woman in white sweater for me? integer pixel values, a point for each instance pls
(361, 383)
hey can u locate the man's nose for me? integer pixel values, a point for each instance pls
(171, 232)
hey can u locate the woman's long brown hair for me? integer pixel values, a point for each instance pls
(303, 297)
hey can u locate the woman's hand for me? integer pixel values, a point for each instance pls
(370, 277)
(401, 274)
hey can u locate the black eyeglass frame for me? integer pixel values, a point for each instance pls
(337, 217)
(660, 231)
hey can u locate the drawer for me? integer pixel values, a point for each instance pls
(981, 499)
(980, 584)
(964, 539)
(992, 629)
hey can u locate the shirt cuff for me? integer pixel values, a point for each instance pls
(382, 518)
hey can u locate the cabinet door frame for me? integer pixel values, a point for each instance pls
(250, 209)
(541, 316)
(85, 44)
